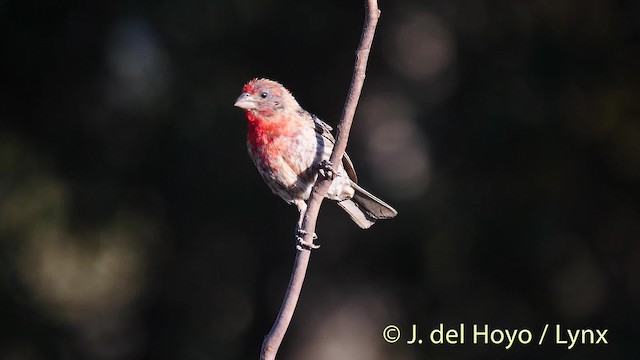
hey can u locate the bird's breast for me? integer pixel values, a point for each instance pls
(285, 155)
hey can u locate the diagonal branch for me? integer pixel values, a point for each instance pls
(273, 340)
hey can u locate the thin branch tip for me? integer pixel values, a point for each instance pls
(273, 340)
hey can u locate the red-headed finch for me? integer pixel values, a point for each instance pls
(290, 146)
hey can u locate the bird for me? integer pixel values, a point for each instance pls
(290, 148)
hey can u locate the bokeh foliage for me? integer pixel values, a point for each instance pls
(133, 225)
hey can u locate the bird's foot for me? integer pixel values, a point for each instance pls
(325, 169)
(301, 244)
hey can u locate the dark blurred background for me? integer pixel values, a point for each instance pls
(133, 225)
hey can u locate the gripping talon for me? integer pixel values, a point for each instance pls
(301, 233)
(325, 169)
(304, 245)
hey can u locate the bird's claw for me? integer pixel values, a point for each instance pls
(301, 233)
(325, 169)
(305, 245)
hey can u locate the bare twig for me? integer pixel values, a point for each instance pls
(274, 338)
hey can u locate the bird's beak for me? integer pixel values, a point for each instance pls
(245, 101)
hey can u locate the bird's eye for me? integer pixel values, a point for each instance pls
(263, 94)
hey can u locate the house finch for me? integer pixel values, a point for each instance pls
(290, 146)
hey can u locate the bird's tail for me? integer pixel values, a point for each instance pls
(364, 208)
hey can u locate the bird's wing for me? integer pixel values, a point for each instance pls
(324, 129)
(348, 167)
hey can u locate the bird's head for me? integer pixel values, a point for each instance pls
(265, 97)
